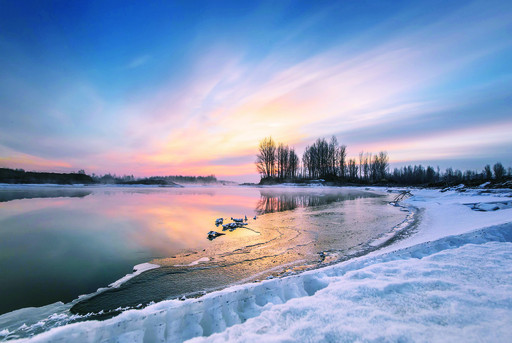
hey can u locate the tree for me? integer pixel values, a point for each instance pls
(333, 157)
(430, 174)
(283, 153)
(352, 169)
(488, 172)
(342, 156)
(499, 171)
(361, 159)
(266, 157)
(294, 163)
(366, 165)
(382, 164)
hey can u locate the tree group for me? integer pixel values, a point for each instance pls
(328, 160)
(323, 159)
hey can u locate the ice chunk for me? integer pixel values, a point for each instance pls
(487, 207)
(202, 259)
(138, 269)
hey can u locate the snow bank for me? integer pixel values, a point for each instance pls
(454, 295)
(450, 281)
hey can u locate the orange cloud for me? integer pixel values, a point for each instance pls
(30, 162)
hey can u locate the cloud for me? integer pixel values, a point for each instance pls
(10, 158)
(415, 85)
(228, 107)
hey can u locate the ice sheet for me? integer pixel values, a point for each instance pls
(450, 281)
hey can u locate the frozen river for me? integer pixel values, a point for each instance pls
(58, 243)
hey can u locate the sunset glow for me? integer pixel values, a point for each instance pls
(186, 88)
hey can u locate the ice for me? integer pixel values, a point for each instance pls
(451, 280)
(488, 207)
(136, 271)
(494, 206)
(485, 184)
(201, 260)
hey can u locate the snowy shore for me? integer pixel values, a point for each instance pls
(450, 280)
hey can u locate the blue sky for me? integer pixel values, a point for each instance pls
(190, 87)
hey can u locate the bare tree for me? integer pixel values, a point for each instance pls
(266, 157)
(282, 161)
(294, 163)
(499, 171)
(366, 166)
(488, 172)
(383, 164)
(352, 168)
(342, 156)
(333, 156)
(361, 154)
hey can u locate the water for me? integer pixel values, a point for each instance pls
(57, 243)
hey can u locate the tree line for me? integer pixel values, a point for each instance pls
(169, 179)
(20, 176)
(327, 159)
(414, 175)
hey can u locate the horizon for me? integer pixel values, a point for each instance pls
(190, 88)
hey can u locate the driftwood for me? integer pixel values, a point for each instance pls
(401, 196)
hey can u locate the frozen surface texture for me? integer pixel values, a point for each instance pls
(449, 281)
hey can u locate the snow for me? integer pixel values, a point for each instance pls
(450, 279)
(447, 296)
(138, 269)
(485, 184)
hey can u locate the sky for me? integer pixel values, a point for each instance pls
(191, 87)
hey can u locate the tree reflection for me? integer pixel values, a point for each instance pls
(18, 194)
(271, 201)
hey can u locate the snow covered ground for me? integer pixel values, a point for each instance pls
(450, 280)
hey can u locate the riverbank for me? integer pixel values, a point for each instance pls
(450, 280)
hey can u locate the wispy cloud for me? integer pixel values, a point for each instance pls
(138, 61)
(225, 111)
(412, 89)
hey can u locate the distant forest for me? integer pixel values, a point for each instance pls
(327, 160)
(130, 179)
(20, 176)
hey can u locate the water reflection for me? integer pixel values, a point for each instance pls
(281, 241)
(278, 201)
(56, 244)
(10, 194)
(59, 243)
